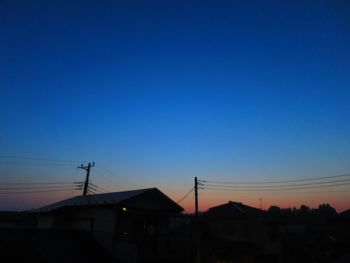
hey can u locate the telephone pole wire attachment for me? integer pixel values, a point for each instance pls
(87, 169)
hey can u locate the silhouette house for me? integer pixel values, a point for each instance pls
(131, 225)
(234, 210)
(238, 232)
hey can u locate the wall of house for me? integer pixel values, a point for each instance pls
(100, 221)
(128, 235)
(45, 221)
(7, 224)
(135, 230)
(246, 230)
(141, 236)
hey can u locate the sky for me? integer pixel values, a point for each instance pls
(158, 92)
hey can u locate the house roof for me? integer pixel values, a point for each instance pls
(345, 214)
(234, 209)
(115, 198)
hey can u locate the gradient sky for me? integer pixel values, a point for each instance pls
(157, 92)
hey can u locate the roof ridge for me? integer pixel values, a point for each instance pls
(125, 191)
(111, 197)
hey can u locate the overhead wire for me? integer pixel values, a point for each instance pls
(185, 196)
(15, 157)
(111, 182)
(326, 182)
(36, 164)
(277, 182)
(98, 187)
(275, 189)
(37, 183)
(75, 178)
(35, 192)
(277, 186)
(34, 187)
(39, 187)
(123, 179)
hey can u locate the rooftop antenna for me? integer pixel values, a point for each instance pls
(260, 200)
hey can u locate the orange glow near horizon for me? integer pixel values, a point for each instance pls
(338, 200)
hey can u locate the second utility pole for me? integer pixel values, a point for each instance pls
(87, 169)
(196, 225)
(196, 196)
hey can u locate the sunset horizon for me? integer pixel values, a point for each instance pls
(157, 93)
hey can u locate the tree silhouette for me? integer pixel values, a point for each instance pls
(326, 210)
(274, 210)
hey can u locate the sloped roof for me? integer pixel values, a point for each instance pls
(234, 209)
(103, 199)
(345, 214)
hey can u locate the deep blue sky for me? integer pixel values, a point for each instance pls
(161, 91)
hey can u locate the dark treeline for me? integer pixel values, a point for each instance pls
(323, 210)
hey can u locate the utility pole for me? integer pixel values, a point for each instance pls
(87, 169)
(196, 196)
(196, 225)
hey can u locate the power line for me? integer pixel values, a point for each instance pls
(278, 182)
(276, 189)
(185, 196)
(91, 191)
(74, 174)
(110, 182)
(103, 189)
(36, 187)
(123, 179)
(35, 192)
(37, 159)
(95, 189)
(38, 183)
(98, 187)
(113, 184)
(36, 163)
(276, 186)
(92, 186)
